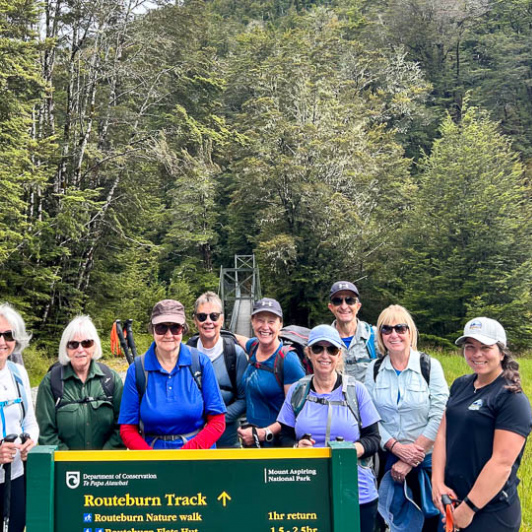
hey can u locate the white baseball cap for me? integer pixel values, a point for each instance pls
(485, 330)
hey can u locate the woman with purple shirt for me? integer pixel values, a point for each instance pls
(325, 414)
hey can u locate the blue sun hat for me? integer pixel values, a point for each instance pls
(325, 333)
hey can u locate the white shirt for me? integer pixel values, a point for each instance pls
(13, 414)
(213, 352)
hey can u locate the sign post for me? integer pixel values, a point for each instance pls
(259, 490)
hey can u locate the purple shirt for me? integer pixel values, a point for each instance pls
(313, 420)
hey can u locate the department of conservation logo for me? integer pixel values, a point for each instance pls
(72, 479)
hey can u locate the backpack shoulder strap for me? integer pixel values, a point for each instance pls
(195, 367)
(349, 391)
(56, 382)
(108, 381)
(230, 361)
(376, 368)
(141, 377)
(425, 363)
(300, 394)
(370, 343)
(278, 364)
(20, 388)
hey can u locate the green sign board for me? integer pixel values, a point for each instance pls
(277, 490)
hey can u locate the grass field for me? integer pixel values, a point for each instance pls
(454, 366)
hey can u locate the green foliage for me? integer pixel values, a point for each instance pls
(316, 162)
(141, 153)
(468, 250)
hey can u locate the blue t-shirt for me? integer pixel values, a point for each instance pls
(264, 395)
(347, 341)
(172, 403)
(313, 420)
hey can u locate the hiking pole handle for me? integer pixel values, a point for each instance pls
(448, 505)
(129, 337)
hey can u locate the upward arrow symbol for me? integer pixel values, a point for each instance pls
(224, 497)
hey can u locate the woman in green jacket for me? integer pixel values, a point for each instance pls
(79, 399)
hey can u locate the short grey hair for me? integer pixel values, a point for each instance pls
(22, 338)
(208, 297)
(82, 326)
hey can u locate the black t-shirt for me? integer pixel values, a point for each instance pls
(472, 418)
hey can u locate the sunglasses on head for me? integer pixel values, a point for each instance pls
(162, 328)
(202, 316)
(331, 349)
(74, 344)
(400, 328)
(349, 300)
(8, 336)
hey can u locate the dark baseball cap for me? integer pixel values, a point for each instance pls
(168, 311)
(266, 304)
(339, 286)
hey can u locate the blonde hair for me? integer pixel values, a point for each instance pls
(393, 315)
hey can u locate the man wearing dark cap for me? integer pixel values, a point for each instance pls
(359, 337)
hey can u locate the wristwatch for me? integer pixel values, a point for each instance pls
(268, 435)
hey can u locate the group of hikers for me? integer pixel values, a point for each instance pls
(422, 451)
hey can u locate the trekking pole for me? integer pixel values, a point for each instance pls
(10, 438)
(254, 433)
(129, 337)
(117, 326)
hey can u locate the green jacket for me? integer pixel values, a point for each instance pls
(80, 426)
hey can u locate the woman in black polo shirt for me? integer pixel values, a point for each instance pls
(482, 436)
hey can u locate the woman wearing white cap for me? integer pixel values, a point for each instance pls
(329, 405)
(482, 436)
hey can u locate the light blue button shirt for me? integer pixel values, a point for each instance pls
(420, 407)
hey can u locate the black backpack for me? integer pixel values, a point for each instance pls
(424, 362)
(56, 382)
(229, 352)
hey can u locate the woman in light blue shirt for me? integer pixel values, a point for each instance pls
(410, 393)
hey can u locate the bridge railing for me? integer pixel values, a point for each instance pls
(239, 287)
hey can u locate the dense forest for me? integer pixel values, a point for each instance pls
(388, 142)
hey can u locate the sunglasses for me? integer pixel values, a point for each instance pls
(162, 328)
(74, 344)
(331, 349)
(400, 328)
(202, 316)
(8, 336)
(337, 301)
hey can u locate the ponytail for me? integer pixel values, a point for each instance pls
(510, 370)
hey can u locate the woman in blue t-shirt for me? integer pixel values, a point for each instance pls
(171, 399)
(271, 371)
(328, 405)
(482, 435)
